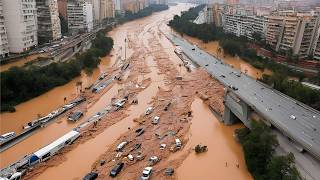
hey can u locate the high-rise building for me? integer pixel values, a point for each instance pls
(4, 46)
(217, 15)
(96, 10)
(117, 5)
(295, 33)
(48, 21)
(21, 21)
(80, 18)
(107, 9)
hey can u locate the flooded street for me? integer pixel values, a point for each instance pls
(152, 79)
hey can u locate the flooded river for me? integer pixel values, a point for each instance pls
(205, 127)
(223, 155)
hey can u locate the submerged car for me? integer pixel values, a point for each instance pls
(155, 120)
(75, 116)
(149, 111)
(91, 176)
(116, 170)
(146, 173)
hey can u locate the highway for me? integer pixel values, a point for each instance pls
(296, 120)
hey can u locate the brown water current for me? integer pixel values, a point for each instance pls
(223, 155)
(205, 127)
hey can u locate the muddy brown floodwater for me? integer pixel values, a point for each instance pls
(152, 60)
(45, 103)
(222, 148)
(236, 62)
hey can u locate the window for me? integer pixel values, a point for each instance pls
(44, 157)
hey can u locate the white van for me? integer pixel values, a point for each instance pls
(178, 143)
(121, 145)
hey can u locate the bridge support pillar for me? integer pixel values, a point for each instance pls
(235, 110)
(228, 117)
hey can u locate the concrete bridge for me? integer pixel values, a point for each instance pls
(244, 95)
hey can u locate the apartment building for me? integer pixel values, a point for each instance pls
(217, 15)
(131, 5)
(20, 18)
(242, 25)
(4, 46)
(107, 9)
(96, 6)
(48, 21)
(80, 17)
(295, 33)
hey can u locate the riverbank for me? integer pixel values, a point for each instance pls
(20, 84)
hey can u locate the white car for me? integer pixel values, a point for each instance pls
(146, 173)
(162, 146)
(292, 117)
(149, 111)
(130, 157)
(155, 120)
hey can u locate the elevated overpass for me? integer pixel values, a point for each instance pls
(299, 122)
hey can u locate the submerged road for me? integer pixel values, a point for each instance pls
(296, 120)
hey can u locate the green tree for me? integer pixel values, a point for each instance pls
(282, 168)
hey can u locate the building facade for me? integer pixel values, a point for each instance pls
(80, 17)
(4, 46)
(294, 33)
(107, 9)
(241, 25)
(48, 21)
(20, 18)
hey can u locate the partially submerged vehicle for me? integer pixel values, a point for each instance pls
(200, 148)
(149, 110)
(7, 136)
(75, 116)
(153, 160)
(155, 120)
(121, 146)
(139, 131)
(90, 176)
(46, 152)
(116, 169)
(146, 173)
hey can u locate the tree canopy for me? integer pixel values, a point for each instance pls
(19, 84)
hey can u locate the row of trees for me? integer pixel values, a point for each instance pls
(143, 13)
(19, 84)
(259, 146)
(184, 25)
(293, 89)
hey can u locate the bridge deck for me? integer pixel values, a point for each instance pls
(269, 103)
